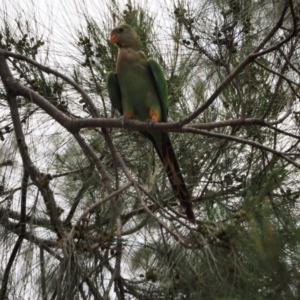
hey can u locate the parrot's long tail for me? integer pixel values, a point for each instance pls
(168, 158)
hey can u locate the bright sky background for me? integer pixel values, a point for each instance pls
(59, 21)
(61, 15)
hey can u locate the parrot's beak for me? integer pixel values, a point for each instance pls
(114, 38)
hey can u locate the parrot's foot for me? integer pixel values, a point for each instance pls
(151, 122)
(124, 119)
(128, 115)
(153, 114)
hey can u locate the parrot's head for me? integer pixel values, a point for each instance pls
(124, 36)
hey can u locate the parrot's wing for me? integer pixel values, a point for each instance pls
(114, 91)
(161, 86)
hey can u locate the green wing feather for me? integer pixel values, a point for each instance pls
(114, 91)
(165, 150)
(161, 86)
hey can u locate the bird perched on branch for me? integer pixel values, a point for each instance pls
(138, 90)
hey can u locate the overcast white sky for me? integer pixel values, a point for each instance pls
(69, 12)
(60, 20)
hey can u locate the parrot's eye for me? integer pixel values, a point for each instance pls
(121, 29)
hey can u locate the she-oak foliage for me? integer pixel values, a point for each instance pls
(86, 210)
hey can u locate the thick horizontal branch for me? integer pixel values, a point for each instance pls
(165, 127)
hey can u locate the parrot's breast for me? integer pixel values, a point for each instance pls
(129, 56)
(138, 88)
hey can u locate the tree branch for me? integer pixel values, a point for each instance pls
(236, 71)
(21, 236)
(94, 206)
(242, 141)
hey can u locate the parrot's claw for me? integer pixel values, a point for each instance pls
(151, 122)
(124, 120)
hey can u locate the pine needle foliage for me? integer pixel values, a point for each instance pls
(86, 210)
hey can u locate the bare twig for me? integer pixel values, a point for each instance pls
(6, 163)
(256, 52)
(20, 238)
(289, 61)
(41, 181)
(48, 70)
(85, 185)
(276, 73)
(94, 206)
(243, 141)
(43, 275)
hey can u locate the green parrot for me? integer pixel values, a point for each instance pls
(138, 90)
